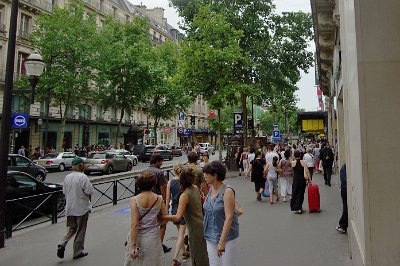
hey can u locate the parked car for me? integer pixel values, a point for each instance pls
(127, 154)
(107, 163)
(56, 161)
(137, 151)
(207, 147)
(176, 150)
(149, 150)
(20, 163)
(20, 185)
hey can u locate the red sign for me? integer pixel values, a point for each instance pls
(212, 115)
(147, 131)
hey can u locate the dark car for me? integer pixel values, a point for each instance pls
(21, 185)
(137, 150)
(20, 163)
(150, 150)
(176, 150)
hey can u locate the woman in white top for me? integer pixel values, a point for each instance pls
(309, 159)
(272, 177)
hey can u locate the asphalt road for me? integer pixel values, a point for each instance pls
(269, 234)
(58, 177)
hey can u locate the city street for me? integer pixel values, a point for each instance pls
(58, 177)
(269, 234)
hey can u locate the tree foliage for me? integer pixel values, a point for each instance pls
(66, 40)
(166, 97)
(125, 66)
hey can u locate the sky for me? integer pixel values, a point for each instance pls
(307, 92)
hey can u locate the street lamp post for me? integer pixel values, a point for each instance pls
(34, 67)
(40, 123)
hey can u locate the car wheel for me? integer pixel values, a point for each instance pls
(61, 167)
(135, 162)
(40, 176)
(61, 202)
(129, 168)
(109, 170)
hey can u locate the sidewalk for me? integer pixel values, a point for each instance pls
(269, 234)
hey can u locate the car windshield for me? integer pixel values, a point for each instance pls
(203, 145)
(97, 156)
(50, 156)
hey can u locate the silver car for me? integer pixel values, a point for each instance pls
(107, 163)
(207, 147)
(56, 161)
(127, 154)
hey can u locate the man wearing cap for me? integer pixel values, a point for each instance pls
(77, 190)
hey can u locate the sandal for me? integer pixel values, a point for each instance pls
(186, 255)
(175, 262)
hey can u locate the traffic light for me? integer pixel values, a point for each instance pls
(192, 120)
(250, 124)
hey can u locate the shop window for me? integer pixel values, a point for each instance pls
(103, 138)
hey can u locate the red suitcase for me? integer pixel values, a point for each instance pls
(313, 198)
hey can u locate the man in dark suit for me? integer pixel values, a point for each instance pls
(327, 157)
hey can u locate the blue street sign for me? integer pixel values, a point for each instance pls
(187, 132)
(238, 120)
(20, 121)
(181, 116)
(276, 134)
(276, 126)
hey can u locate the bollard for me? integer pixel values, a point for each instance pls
(115, 193)
(54, 202)
(8, 224)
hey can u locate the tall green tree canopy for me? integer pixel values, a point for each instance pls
(125, 69)
(66, 40)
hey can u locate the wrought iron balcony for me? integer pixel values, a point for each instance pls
(41, 4)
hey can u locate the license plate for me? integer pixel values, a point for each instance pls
(41, 162)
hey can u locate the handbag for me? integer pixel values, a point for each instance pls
(238, 208)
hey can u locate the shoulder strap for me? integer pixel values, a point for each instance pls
(148, 210)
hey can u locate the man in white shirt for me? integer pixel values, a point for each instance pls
(21, 151)
(269, 157)
(77, 190)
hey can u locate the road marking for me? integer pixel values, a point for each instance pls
(124, 211)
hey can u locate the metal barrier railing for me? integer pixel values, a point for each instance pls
(46, 207)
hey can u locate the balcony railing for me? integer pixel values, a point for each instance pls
(24, 34)
(100, 119)
(42, 4)
(3, 27)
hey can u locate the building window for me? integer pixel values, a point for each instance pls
(21, 63)
(99, 112)
(43, 108)
(85, 112)
(127, 18)
(114, 11)
(24, 26)
(113, 114)
(20, 104)
(70, 112)
(2, 19)
(101, 24)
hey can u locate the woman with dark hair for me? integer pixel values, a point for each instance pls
(221, 226)
(299, 182)
(272, 178)
(143, 246)
(190, 208)
(257, 168)
(286, 178)
(239, 162)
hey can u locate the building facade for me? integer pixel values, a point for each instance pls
(358, 52)
(90, 123)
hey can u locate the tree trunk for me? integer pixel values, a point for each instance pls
(219, 135)
(244, 118)
(62, 129)
(156, 121)
(119, 127)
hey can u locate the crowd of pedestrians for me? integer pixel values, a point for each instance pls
(199, 203)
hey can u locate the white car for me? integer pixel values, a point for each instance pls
(207, 147)
(56, 161)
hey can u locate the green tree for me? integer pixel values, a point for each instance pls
(276, 45)
(125, 66)
(66, 40)
(209, 56)
(166, 97)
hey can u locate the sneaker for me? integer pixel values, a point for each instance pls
(60, 251)
(340, 230)
(284, 199)
(166, 249)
